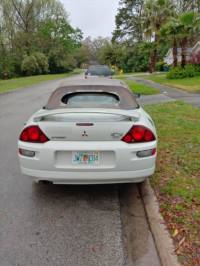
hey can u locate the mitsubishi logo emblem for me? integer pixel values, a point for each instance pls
(84, 134)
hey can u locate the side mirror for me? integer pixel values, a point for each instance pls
(137, 95)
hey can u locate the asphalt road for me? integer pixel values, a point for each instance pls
(63, 225)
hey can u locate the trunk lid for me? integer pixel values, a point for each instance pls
(101, 125)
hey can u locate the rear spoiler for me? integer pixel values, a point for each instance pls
(132, 114)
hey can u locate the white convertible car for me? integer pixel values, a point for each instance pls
(89, 132)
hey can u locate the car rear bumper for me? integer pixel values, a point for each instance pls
(119, 162)
(89, 177)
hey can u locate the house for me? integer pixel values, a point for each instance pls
(168, 59)
(196, 48)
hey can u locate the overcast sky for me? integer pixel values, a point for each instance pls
(94, 17)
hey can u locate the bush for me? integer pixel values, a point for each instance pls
(29, 65)
(191, 70)
(197, 69)
(176, 73)
(8, 67)
(7, 71)
(179, 72)
(42, 61)
(35, 64)
(160, 66)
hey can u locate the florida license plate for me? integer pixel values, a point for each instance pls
(85, 158)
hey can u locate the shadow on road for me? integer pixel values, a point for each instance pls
(99, 197)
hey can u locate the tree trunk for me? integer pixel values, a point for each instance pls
(183, 52)
(175, 60)
(153, 56)
(153, 60)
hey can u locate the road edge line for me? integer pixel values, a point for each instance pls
(163, 241)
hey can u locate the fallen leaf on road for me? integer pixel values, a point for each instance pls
(175, 233)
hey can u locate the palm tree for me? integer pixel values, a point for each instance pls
(155, 14)
(170, 31)
(189, 23)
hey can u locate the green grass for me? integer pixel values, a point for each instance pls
(187, 84)
(129, 74)
(139, 88)
(22, 82)
(177, 179)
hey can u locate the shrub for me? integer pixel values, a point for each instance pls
(35, 64)
(160, 66)
(176, 73)
(191, 70)
(197, 69)
(179, 72)
(42, 61)
(7, 71)
(8, 67)
(29, 65)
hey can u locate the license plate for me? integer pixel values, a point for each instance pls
(85, 158)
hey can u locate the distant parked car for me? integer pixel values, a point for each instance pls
(90, 132)
(98, 71)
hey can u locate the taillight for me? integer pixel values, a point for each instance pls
(139, 134)
(33, 134)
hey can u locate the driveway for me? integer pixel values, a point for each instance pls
(63, 225)
(167, 94)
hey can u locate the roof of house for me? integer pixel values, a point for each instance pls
(196, 45)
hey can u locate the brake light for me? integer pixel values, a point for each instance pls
(139, 134)
(33, 134)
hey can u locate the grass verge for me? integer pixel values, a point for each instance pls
(22, 82)
(139, 88)
(177, 179)
(186, 84)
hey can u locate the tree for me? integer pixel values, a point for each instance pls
(189, 22)
(60, 61)
(82, 55)
(94, 47)
(150, 27)
(52, 32)
(128, 21)
(170, 31)
(155, 14)
(29, 26)
(183, 6)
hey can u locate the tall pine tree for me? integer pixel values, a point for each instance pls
(128, 21)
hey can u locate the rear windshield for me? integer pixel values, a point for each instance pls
(99, 71)
(90, 99)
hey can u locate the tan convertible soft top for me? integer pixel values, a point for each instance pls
(126, 98)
